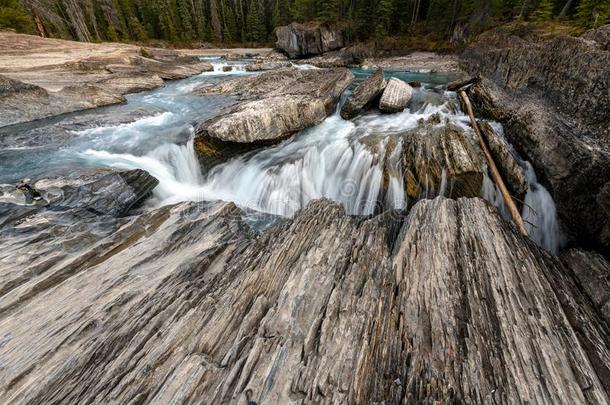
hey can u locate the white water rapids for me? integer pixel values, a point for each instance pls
(323, 161)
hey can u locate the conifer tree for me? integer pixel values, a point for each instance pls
(593, 13)
(544, 11)
(254, 25)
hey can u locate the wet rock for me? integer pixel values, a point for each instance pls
(593, 274)
(101, 191)
(365, 94)
(269, 65)
(512, 173)
(431, 160)
(274, 106)
(312, 38)
(396, 96)
(573, 166)
(186, 302)
(227, 68)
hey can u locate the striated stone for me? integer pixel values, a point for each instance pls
(396, 96)
(593, 274)
(185, 302)
(267, 65)
(432, 159)
(365, 94)
(56, 76)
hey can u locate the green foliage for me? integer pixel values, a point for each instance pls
(544, 11)
(593, 13)
(14, 16)
(255, 27)
(234, 21)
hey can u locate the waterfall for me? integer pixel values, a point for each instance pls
(540, 214)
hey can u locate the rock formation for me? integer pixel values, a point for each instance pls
(55, 76)
(553, 99)
(186, 302)
(274, 105)
(396, 96)
(365, 95)
(431, 160)
(309, 39)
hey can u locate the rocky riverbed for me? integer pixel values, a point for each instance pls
(303, 231)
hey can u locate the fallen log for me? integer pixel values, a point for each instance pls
(495, 174)
(458, 84)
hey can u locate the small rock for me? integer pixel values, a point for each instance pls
(396, 96)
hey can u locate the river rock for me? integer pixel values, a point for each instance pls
(510, 170)
(553, 98)
(312, 38)
(351, 56)
(186, 302)
(274, 105)
(396, 96)
(365, 94)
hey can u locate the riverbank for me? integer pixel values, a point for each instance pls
(43, 77)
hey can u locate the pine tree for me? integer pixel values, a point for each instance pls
(384, 17)
(544, 11)
(593, 13)
(230, 32)
(254, 25)
(13, 15)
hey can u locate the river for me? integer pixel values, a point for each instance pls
(328, 160)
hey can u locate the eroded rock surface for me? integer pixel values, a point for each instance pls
(396, 96)
(433, 159)
(185, 302)
(57, 76)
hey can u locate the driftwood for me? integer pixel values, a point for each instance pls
(495, 174)
(459, 84)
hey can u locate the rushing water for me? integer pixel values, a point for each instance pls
(324, 161)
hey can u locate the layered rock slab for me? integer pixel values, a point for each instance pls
(66, 76)
(185, 303)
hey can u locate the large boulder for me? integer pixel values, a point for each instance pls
(309, 39)
(553, 98)
(396, 96)
(365, 94)
(274, 105)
